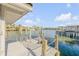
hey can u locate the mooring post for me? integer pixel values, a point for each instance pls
(44, 47)
(56, 45)
(44, 44)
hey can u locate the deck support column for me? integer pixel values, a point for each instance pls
(2, 38)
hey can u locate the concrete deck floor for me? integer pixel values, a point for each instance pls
(29, 48)
(16, 49)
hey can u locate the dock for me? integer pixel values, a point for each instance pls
(28, 48)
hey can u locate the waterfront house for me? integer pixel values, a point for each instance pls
(70, 31)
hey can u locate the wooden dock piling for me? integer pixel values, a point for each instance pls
(44, 47)
(56, 45)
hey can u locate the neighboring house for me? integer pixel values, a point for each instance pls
(70, 31)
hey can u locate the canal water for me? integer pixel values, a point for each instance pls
(64, 48)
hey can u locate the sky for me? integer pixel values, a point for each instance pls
(51, 15)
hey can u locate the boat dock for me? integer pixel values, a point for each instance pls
(28, 46)
(31, 48)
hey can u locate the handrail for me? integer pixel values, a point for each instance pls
(44, 42)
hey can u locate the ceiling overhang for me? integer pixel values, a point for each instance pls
(11, 12)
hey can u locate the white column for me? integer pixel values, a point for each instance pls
(2, 37)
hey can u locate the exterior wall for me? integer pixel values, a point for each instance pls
(2, 37)
(72, 28)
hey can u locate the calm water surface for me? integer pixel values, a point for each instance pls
(64, 48)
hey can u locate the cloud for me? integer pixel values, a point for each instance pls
(67, 19)
(28, 23)
(68, 5)
(64, 17)
(75, 17)
(31, 22)
(38, 20)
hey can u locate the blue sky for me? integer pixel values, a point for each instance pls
(51, 15)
